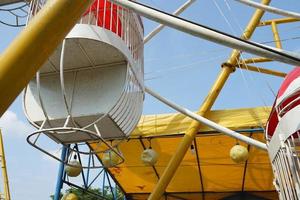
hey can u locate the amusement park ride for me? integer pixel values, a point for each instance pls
(85, 92)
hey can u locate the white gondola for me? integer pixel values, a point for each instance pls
(283, 137)
(92, 86)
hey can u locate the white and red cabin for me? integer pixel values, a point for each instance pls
(283, 137)
(94, 79)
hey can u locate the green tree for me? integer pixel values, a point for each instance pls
(94, 193)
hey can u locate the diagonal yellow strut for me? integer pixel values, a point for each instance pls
(4, 170)
(188, 138)
(21, 60)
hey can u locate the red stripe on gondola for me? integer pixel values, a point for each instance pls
(107, 15)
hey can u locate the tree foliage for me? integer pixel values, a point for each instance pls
(94, 193)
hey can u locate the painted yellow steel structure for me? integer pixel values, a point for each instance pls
(261, 70)
(278, 21)
(4, 170)
(243, 64)
(255, 60)
(276, 35)
(28, 52)
(21, 60)
(214, 176)
(206, 106)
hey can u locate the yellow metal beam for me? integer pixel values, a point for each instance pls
(21, 60)
(278, 21)
(276, 35)
(206, 106)
(262, 70)
(4, 170)
(255, 60)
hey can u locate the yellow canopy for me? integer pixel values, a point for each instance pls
(209, 171)
(173, 124)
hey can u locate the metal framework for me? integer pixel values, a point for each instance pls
(207, 122)
(31, 40)
(210, 34)
(88, 179)
(25, 48)
(18, 14)
(206, 106)
(161, 26)
(243, 64)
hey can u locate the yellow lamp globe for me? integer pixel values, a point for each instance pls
(149, 157)
(73, 170)
(70, 196)
(110, 159)
(239, 153)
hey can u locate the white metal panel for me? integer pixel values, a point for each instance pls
(85, 52)
(288, 125)
(94, 92)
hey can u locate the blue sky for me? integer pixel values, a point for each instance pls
(178, 66)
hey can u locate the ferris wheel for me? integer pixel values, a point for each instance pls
(90, 91)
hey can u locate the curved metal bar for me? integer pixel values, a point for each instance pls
(136, 115)
(12, 25)
(110, 148)
(115, 146)
(68, 129)
(62, 83)
(25, 110)
(116, 142)
(38, 136)
(133, 104)
(125, 107)
(138, 101)
(96, 121)
(73, 90)
(38, 86)
(114, 109)
(58, 159)
(61, 75)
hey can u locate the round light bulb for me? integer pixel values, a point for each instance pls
(110, 159)
(149, 157)
(239, 153)
(73, 170)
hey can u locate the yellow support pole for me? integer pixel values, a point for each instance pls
(4, 171)
(276, 35)
(255, 60)
(192, 131)
(261, 70)
(278, 21)
(21, 60)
